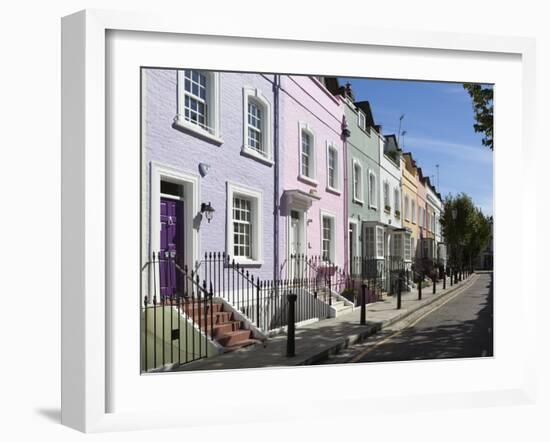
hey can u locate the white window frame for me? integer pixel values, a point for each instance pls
(379, 242)
(255, 94)
(256, 197)
(397, 245)
(304, 127)
(373, 192)
(357, 198)
(373, 235)
(213, 107)
(386, 195)
(332, 252)
(331, 147)
(407, 247)
(361, 120)
(413, 211)
(424, 218)
(397, 201)
(406, 203)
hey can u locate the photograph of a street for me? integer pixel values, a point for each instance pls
(293, 220)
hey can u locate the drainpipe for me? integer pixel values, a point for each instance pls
(276, 203)
(345, 135)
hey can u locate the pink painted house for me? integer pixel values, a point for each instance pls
(312, 181)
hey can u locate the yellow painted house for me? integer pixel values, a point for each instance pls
(409, 188)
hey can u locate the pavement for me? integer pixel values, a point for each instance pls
(316, 342)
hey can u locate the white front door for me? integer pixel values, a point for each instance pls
(295, 240)
(296, 249)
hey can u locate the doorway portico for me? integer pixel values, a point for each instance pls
(297, 204)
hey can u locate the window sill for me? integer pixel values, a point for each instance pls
(333, 190)
(182, 124)
(251, 153)
(307, 180)
(373, 207)
(358, 201)
(246, 262)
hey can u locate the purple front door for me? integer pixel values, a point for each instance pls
(171, 246)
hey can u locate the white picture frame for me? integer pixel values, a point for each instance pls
(87, 308)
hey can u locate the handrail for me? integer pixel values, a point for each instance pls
(195, 281)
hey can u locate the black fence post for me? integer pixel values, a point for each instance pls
(444, 278)
(420, 286)
(399, 292)
(363, 303)
(434, 285)
(258, 303)
(329, 290)
(291, 327)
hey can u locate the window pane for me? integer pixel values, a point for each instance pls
(242, 227)
(255, 127)
(327, 238)
(306, 153)
(379, 242)
(332, 168)
(195, 98)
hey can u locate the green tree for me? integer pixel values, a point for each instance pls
(482, 102)
(466, 229)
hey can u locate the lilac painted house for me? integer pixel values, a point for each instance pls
(208, 168)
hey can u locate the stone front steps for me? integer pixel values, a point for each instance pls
(338, 304)
(229, 332)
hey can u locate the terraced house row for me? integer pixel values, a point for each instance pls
(267, 179)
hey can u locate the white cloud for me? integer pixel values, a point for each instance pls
(464, 152)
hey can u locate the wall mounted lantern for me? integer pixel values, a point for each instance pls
(208, 211)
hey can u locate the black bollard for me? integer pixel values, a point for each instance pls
(291, 328)
(363, 304)
(399, 293)
(444, 279)
(434, 287)
(420, 287)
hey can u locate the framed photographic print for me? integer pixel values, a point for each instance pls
(266, 213)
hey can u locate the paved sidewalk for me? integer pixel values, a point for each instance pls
(316, 341)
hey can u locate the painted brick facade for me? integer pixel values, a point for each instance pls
(306, 103)
(177, 149)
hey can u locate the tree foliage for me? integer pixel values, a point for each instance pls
(482, 103)
(468, 232)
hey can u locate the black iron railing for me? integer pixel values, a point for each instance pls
(177, 316)
(264, 301)
(179, 310)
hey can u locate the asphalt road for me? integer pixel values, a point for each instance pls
(459, 328)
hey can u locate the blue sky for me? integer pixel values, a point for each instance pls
(439, 123)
